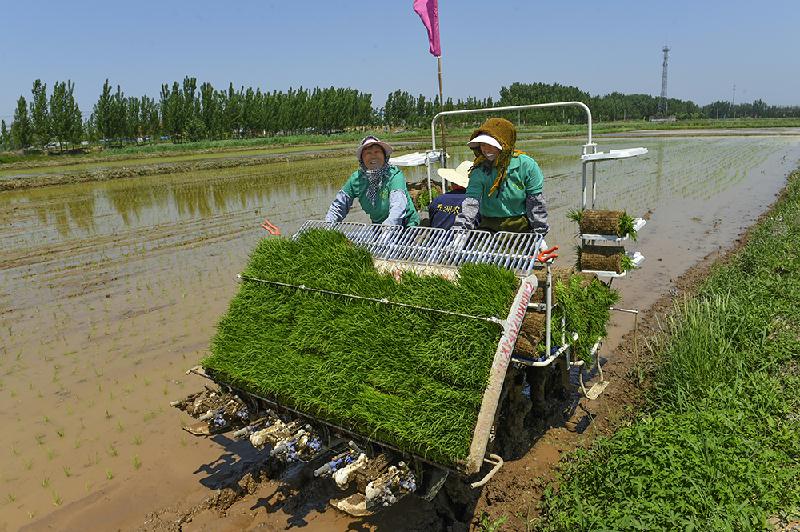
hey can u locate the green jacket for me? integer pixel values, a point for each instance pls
(523, 178)
(356, 187)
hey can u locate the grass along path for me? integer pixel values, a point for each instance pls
(718, 446)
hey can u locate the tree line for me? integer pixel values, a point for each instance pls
(186, 112)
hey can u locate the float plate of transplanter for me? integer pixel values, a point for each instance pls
(411, 361)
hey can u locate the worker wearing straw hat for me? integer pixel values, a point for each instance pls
(380, 188)
(505, 184)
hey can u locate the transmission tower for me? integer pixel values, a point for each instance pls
(662, 103)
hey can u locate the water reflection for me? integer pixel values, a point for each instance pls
(289, 192)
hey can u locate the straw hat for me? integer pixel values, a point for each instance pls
(369, 141)
(458, 176)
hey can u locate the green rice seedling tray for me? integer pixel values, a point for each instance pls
(416, 362)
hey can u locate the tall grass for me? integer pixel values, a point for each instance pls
(717, 447)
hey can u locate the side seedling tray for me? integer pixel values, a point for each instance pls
(638, 223)
(636, 257)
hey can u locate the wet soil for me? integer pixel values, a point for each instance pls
(110, 291)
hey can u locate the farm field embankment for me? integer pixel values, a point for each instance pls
(20, 171)
(717, 447)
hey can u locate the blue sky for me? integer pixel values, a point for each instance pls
(381, 46)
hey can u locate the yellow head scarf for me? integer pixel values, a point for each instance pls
(503, 132)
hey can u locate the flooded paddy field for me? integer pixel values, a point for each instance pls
(110, 290)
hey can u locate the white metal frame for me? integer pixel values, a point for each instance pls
(588, 148)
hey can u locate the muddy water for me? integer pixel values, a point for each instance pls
(109, 291)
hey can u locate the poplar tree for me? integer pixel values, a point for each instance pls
(65, 116)
(40, 118)
(21, 131)
(101, 117)
(5, 138)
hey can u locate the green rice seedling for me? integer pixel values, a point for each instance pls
(120, 427)
(51, 453)
(137, 462)
(112, 451)
(28, 464)
(137, 440)
(56, 498)
(46, 482)
(627, 263)
(575, 215)
(67, 471)
(109, 474)
(584, 305)
(626, 226)
(11, 497)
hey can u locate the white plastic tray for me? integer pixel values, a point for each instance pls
(613, 154)
(415, 159)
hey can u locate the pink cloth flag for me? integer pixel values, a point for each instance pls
(428, 11)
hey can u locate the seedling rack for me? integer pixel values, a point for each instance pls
(591, 157)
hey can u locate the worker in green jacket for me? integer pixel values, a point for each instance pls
(380, 188)
(505, 185)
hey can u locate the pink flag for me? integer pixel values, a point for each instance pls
(428, 11)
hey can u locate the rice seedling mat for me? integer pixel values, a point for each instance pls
(415, 362)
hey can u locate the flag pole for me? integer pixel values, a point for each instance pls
(443, 158)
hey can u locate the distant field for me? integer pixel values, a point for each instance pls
(16, 160)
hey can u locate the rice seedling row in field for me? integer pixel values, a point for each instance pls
(717, 447)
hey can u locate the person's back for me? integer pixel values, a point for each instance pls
(445, 207)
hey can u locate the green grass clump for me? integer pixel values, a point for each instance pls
(717, 447)
(414, 379)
